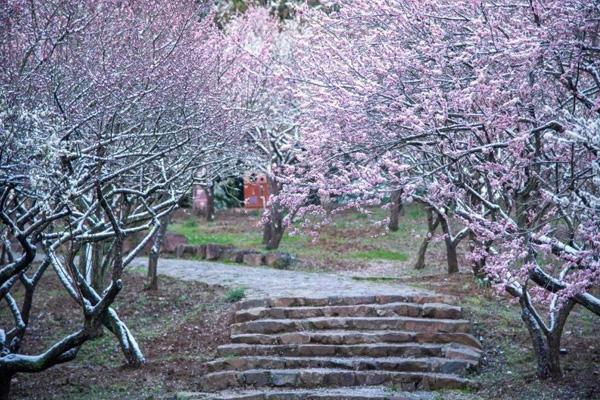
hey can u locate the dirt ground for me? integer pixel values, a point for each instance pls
(178, 328)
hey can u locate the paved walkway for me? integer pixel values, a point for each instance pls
(261, 282)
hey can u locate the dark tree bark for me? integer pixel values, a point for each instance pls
(273, 228)
(98, 278)
(545, 340)
(209, 212)
(152, 283)
(451, 256)
(478, 266)
(432, 223)
(98, 273)
(267, 228)
(395, 210)
(274, 234)
(451, 243)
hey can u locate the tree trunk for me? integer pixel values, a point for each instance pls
(546, 349)
(420, 263)
(452, 256)
(152, 283)
(97, 270)
(98, 277)
(553, 363)
(431, 227)
(111, 321)
(451, 245)
(477, 266)
(129, 346)
(209, 213)
(277, 232)
(273, 229)
(546, 345)
(395, 210)
(5, 379)
(540, 347)
(267, 232)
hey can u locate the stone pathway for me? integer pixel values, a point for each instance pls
(261, 282)
(308, 336)
(307, 348)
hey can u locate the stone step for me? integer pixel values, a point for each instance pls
(355, 350)
(343, 348)
(356, 337)
(427, 364)
(418, 298)
(344, 393)
(270, 326)
(428, 310)
(320, 378)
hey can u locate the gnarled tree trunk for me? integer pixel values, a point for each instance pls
(273, 235)
(152, 283)
(273, 228)
(451, 245)
(451, 256)
(209, 212)
(478, 266)
(432, 223)
(546, 340)
(395, 210)
(98, 272)
(98, 276)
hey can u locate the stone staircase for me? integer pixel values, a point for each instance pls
(360, 348)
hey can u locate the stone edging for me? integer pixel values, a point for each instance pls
(216, 252)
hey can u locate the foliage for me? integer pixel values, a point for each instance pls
(485, 111)
(229, 193)
(380, 254)
(234, 295)
(109, 110)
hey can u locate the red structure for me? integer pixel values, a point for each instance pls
(256, 191)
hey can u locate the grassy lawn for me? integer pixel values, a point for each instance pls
(380, 254)
(353, 242)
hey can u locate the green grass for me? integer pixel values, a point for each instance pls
(351, 237)
(211, 233)
(415, 213)
(380, 254)
(234, 295)
(197, 234)
(101, 351)
(514, 354)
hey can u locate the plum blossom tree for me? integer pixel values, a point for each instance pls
(258, 43)
(107, 110)
(485, 111)
(230, 9)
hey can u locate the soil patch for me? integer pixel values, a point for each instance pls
(178, 327)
